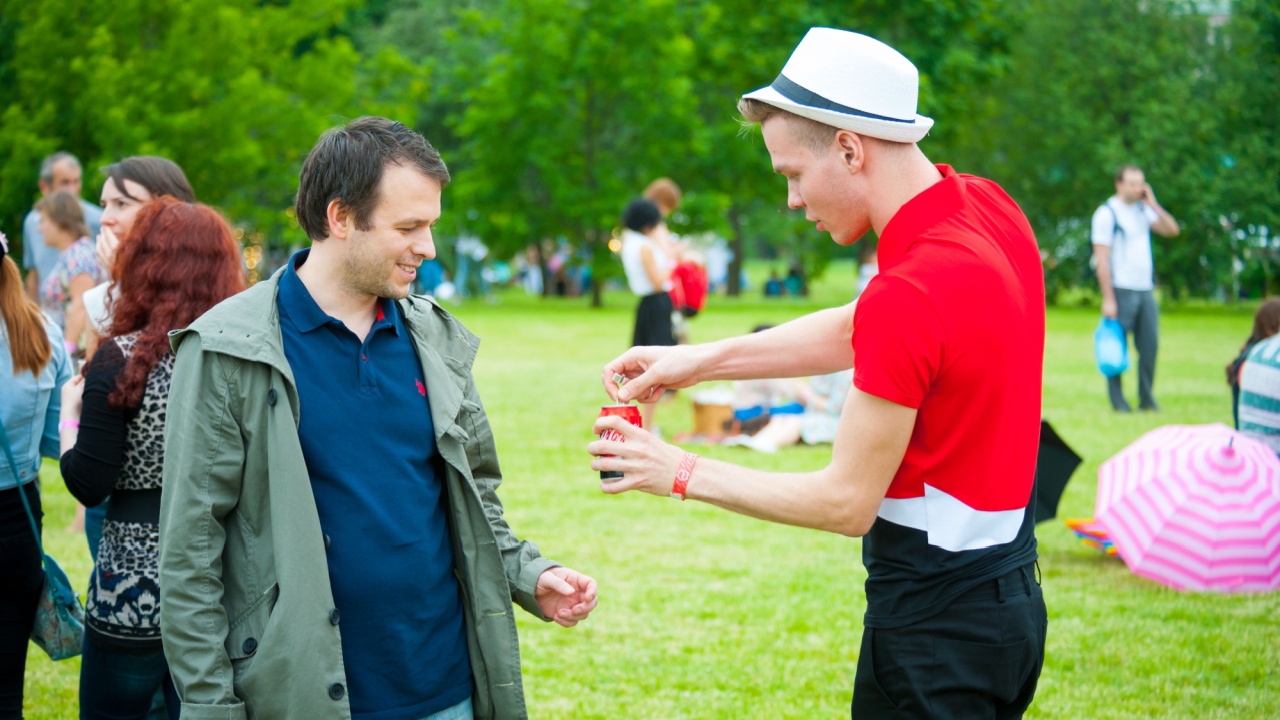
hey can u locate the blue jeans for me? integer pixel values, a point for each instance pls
(93, 517)
(117, 685)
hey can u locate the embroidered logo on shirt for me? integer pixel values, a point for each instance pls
(422, 389)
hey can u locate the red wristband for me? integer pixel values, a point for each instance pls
(681, 485)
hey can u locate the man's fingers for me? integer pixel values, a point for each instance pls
(615, 423)
(557, 583)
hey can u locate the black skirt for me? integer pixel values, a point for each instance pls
(653, 321)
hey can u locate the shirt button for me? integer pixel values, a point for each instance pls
(336, 691)
(334, 616)
(250, 646)
(271, 397)
(326, 543)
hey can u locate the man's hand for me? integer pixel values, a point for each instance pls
(1149, 195)
(649, 371)
(1109, 308)
(565, 595)
(645, 462)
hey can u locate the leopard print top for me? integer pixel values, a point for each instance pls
(123, 601)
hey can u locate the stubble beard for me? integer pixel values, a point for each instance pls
(365, 273)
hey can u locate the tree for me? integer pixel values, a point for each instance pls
(582, 104)
(235, 91)
(1097, 85)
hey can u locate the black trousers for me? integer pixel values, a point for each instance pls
(980, 658)
(23, 579)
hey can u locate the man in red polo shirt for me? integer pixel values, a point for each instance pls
(935, 454)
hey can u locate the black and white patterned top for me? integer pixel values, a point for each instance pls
(121, 451)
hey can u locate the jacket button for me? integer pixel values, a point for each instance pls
(336, 691)
(271, 397)
(334, 616)
(326, 543)
(250, 645)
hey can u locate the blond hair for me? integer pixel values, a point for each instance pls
(817, 136)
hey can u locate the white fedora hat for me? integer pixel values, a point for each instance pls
(850, 81)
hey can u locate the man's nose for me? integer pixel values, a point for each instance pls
(424, 246)
(794, 201)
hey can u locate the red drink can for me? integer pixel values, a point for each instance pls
(631, 414)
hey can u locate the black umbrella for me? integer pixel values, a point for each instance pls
(1054, 466)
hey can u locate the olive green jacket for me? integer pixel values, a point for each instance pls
(246, 608)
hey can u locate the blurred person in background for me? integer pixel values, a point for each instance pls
(59, 171)
(821, 399)
(1260, 393)
(34, 366)
(130, 184)
(112, 436)
(1121, 235)
(648, 270)
(76, 270)
(1266, 322)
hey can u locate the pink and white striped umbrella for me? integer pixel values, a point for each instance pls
(1195, 507)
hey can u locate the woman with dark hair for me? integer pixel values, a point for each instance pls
(648, 269)
(113, 443)
(130, 184)
(1266, 322)
(33, 367)
(62, 293)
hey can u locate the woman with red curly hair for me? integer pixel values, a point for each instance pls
(180, 260)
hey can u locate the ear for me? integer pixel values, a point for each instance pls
(852, 150)
(340, 220)
(44, 188)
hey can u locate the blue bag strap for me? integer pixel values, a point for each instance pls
(8, 452)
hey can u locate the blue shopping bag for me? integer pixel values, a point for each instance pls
(1110, 347)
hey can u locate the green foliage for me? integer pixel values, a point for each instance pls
(1097, 85)
(552, 115)
(234, 92)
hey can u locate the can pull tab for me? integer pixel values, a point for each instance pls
(619, 379)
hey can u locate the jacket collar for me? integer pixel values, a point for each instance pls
(247, 326)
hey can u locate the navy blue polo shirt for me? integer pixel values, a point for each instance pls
(369, 443)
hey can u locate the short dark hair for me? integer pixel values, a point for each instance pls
(160, 176)
(1124, 169)
(641, 215)
(346, 165)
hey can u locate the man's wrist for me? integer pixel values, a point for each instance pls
(680, 486)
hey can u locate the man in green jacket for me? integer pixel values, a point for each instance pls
(332, 543)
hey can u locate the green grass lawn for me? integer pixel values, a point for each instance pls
(708, 615)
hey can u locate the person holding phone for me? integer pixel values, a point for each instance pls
(1121, 235)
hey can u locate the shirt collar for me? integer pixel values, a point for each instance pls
(936, 203)
(301, 308)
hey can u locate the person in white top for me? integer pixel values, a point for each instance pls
(648, 269)
(1121, 235)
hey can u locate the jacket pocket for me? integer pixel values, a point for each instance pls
(244, 634)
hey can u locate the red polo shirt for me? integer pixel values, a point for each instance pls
(953, 326)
